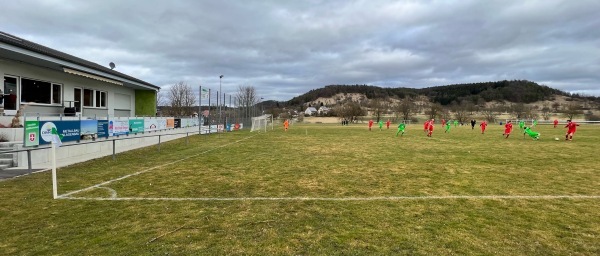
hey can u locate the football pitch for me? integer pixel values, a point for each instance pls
(320, 190)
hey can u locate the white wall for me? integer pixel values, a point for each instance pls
(40, 159)
(69, 82)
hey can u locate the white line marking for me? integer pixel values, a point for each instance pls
(113, 193)
(377, 198)
(149, 169)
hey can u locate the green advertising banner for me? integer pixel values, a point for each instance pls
(32, 133)
(136, 125)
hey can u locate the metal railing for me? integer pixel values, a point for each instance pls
(114, 147)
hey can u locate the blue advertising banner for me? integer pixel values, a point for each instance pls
(89, 129)
(70, 130)
(102, 128)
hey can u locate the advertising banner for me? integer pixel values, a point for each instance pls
(162, 124)
(118, 127)
(32, 133)
(89, 129)
(170, 123)
(102, 128)
(136, 125)
(68, 129)
(177, 123)
(150, 125)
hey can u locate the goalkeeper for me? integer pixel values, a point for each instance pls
(401, 127)
(532, 134)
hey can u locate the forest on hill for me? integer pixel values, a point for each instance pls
(516, 91)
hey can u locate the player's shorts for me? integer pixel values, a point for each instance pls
(506, 131)
(569, 132)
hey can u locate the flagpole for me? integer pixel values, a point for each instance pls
(199, 109)
(54, 182)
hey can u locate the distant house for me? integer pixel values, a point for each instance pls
(323, 110)
(310, 111)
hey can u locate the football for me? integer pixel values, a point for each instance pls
(556, 138)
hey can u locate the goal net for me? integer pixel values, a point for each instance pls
(260, 123)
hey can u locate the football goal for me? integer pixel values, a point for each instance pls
(260, 123)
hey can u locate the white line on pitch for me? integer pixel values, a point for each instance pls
(377, 198)
(149, 169)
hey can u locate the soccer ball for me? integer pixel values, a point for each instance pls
(556, 139)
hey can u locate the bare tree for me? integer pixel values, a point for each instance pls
(546, 112)
(571, 110)
(246, 98)
(433, 110)
(378, 107)
(181, 100)
(161, 99)
(518, 111)
(555, 106)
(461, 112)
(489, 113)
(406, 108)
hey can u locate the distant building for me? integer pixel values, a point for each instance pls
(50, 82)
(323, 110)
(310, 111)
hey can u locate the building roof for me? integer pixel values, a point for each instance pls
(311, 109)
(31, 46)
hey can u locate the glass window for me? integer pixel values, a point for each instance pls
(88, 98)
(35, 91)
(10, 93)
(56, 94)
(103, 99)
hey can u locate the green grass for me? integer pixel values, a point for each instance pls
(321, 161)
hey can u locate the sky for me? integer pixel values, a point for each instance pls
(286, 48)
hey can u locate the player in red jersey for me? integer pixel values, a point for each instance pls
(426, 126)
(555, 123)
(507, 129)
(370, 124)
(572, 128)
(430, 128)
(483, 124)
(387, 124)
(443, 122)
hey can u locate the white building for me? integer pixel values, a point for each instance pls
(323, 110)
(44, 81)
(310, 111)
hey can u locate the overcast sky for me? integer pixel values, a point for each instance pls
(286, 48)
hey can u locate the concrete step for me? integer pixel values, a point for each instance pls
(6, 155)
(4, 166)
(6, 161)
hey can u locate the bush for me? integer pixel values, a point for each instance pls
(592, 118)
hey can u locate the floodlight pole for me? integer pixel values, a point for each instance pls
(262, 111)
(220, 78)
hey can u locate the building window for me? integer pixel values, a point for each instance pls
(88, 98)
(100, 99)
(40, 92)
(56, 93)
(94, 98)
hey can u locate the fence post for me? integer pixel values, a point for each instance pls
(29, 160)
(114, 147)
(158, 143)
(187, 134)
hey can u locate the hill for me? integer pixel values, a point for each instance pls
(515, 91)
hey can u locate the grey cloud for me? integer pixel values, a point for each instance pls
(287, 48)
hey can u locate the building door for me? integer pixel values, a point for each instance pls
(77, 101)
(9, 95)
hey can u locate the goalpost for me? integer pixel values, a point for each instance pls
(260, 123)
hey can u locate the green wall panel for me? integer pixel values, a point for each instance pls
(145, 103)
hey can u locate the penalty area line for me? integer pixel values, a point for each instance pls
(376, 198)
(149, 169)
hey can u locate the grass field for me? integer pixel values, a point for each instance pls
(319, 190)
